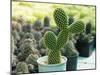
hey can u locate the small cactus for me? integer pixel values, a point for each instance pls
(37, 25)
(60, 18)
(41, 43)
(15, 36)
(88, 28)
(70, 20)
(37, 35)
(21, 20)
(32, 59)
(70, 49)
(54, 43)
(29, 36)
(26, 49)
(31, 68)
(46, 21)
(22, 67)
(27, 28)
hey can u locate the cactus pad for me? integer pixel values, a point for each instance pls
(76, 27)
(50, 40)
(60, 18)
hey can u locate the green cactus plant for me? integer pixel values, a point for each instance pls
(71, 19)
(22, 67)
(26, 48)
(32, 59)
(88, 28)
(38, 25)
(46, 21)
(54, 43)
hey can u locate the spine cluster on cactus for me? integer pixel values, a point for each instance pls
(54, 43)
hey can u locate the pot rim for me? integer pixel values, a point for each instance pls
(62, 57)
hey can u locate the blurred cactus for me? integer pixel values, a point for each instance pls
(54, 43)
(70, 49)
(21, 20)
(26, 49)
(12, 44)
(42, 47)
(37, 35)
(16, 26)
(16, 36)
(32, 59)
(70, 20)
(31, 68)
(41, 43)
(29, 36)
(27, 28)
(46, 21)
(22, 67)
(88, 28)
(14, 62)
(37, 25)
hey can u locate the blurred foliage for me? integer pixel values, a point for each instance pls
(33, 11)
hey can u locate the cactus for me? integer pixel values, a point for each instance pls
(37, 35)
(26, 49)
(41, 43)
(15, 36)
(29, 36)
(70, 20)
(70, 49)
(37, 25)
(32, 59)
(88, 27)
(22, 67)
(46, 21)
(27, 28)
(54, 43)
(31, 68)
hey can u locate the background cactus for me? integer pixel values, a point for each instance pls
(15, 36)
(71, 20)
(46, 21)
(37, 25)
(26, 49)
(70, 49)
(88, 28)
(32, 59)
(22, 67)
(54, 43)
(27, 28)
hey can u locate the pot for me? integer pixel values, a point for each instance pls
(45, 67)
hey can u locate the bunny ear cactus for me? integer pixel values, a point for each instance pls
(54, 43)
